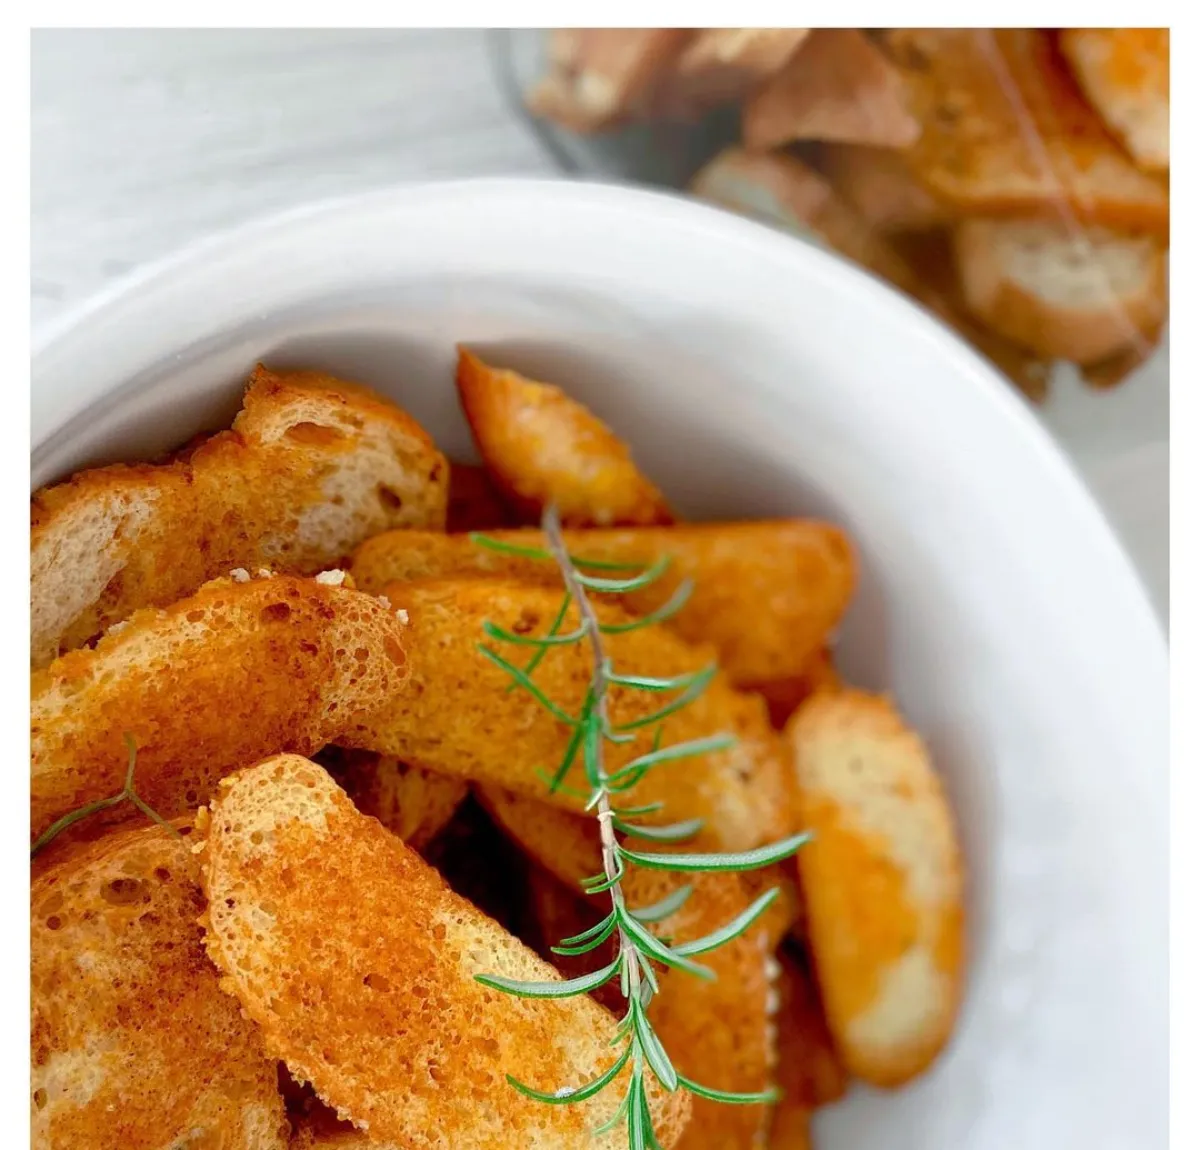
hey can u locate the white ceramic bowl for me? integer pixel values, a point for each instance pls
(755, 375)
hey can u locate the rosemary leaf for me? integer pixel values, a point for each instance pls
(655, 948)
(652, 1048)
(737, 860)
(731, 929)
(523, 680)
(706, 746)
(567, 988)
(552, 639)
(600, 883)
(582, 946)
(651, 683)
(700, 682)
(672, 833)
(481, 540)
(665, 907)
(607, 922)
(622, 586)
(617, 1117)
(71, 818)
(668, 610)
(736, 1097)
(578, 1093)
(635, 812)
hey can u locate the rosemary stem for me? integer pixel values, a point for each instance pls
(590, 624)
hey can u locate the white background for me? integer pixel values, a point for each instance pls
(145, 140)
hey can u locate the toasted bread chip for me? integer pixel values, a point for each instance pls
(568, 847)
(1078, 293)
(475, 504)
(132, 1043)
(725, 65)
(458, 717)
(312, 467)
(216, 681)
(839, 87)
(600, 77)
(809, 1074)
(782, 190)
(385, 1017)
(1126, 74)
(883, 885)
(417, 805)
(766, 594)
(880, 186)
(1006, 131)
(541, 447)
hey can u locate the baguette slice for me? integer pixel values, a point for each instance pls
(601, 77)
(883, 885)
(1005, 130)
(783, 191)
(457, 715)
(838, 87)
(725, 65)
(765, 594)
(384, 1017)
(417, 805)
(132, 1042)
(312, 467)
(1081, 294)
(221, 679)
(540, 447)
(1126, 75)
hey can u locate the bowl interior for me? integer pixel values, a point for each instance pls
(755, 376)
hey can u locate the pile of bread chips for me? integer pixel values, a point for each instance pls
(1014, 181)
(270, 639)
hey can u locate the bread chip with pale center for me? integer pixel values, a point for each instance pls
(883, 885)
(312, 466)
(133, 1044)
(358, 964)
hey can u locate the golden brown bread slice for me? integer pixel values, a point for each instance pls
(231, 674)
(1126, 75)
(457, 716)
(541, 446)
(1005, 130)
(1065, 292)
(839, 86)
(883, 885)
(725, 65)
(784, 191)
(878, 183)
(600, 77)
(766, 594)
(132, 1043)
(373, 999)
(312, 467)
(417, 805)
(783, 696)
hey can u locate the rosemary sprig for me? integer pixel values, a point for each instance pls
(126, 793)
(638, 949)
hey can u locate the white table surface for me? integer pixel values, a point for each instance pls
(145, 140)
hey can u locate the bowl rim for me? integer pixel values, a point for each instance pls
(138, 288)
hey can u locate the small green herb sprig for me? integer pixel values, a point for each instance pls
(638, 949)
(126, 794)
